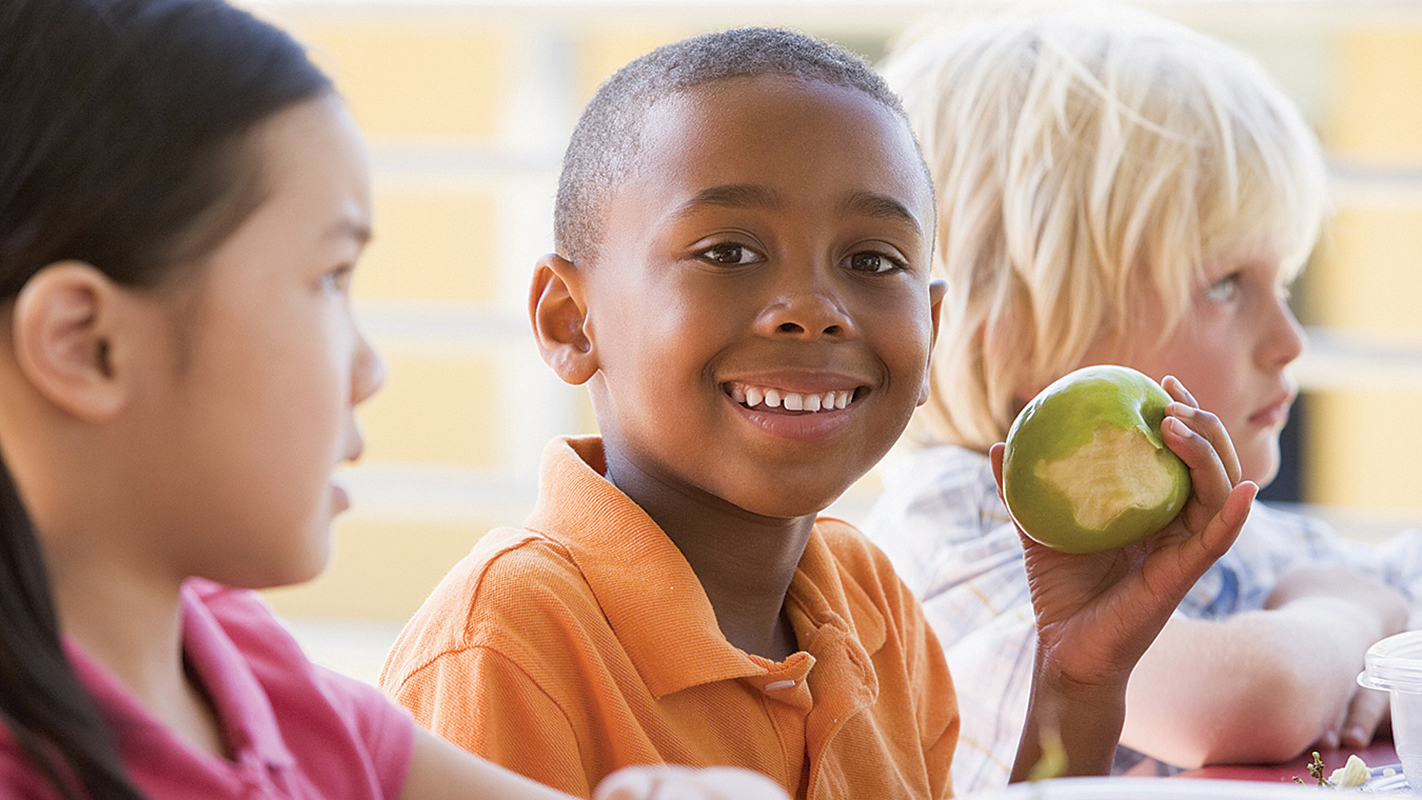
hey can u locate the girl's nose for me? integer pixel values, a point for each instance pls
(368, 372)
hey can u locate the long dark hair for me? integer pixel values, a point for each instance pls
(123, 144)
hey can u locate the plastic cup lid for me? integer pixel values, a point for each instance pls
(1394, 664)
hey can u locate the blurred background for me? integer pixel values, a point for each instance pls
(467, 105)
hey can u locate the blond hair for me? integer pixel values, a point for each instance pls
(1085, 162)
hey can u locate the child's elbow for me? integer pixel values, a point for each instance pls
(1281, 718)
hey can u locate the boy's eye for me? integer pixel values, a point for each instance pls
(1224, 290)
(870, 261)
(730, 254)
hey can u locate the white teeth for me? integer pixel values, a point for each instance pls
(752, 396)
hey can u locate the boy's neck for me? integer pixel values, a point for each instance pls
(744, 561)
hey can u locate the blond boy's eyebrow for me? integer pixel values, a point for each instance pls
(881, 206)
(356, 229)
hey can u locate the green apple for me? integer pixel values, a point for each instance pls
(1085, 468)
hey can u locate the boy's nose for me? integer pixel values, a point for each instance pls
(1286, 339)
(805, 314)
(804, 302)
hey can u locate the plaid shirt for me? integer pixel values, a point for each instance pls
(949, 536)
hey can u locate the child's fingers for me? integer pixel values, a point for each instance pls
(1366, 713)
(731, 783)
(995, 454)
(1177, 390)
(1212, 485)
(1213, 430)
(1219, 502)
(671, 782)
(629, 783)
(1174, 576)
(1224, 527)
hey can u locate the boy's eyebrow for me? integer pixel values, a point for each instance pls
(880, 206)
(749, 195)
(730, 195)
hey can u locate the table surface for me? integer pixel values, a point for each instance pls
(1378, 754)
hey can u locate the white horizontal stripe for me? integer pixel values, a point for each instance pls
(410, 493)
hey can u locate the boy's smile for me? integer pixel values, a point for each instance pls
(764, 397)
(760, 311)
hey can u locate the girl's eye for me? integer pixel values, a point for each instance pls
(730, 254)
(338, 279)
(1224, 290)
(870, 261)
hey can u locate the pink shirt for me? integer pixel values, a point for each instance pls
(295, 730)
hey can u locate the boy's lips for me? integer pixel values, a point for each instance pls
(1276, 413)
(764, 397)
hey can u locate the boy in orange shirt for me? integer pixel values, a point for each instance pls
(744, 229)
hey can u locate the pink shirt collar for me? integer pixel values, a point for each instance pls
(157, 757)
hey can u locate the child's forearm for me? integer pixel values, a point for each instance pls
(1256, 687)
(1070, 729)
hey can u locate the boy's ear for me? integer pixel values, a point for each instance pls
(558, 311)
(937, 288)
(63, 328)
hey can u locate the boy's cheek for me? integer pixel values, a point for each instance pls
(926, 388)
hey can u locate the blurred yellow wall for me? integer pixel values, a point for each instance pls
(467, 106)
(1366, 440)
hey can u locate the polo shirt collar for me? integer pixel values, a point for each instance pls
(649, 593)
(823, 594)
(244, 712)
(241, 702)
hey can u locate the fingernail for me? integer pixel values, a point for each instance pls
(1179, 409)
(1179, 427)
(1356, 736)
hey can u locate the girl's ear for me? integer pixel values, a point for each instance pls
(558, 310)
(63, 331)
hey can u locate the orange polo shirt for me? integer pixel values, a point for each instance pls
(585, 643)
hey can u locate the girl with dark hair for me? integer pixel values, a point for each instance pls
(183, 198)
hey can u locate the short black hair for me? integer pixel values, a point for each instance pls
(606, 139)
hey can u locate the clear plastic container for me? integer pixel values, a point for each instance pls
(1394, 665)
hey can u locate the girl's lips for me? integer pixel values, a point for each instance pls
(340, 499)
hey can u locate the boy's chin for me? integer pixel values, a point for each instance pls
(789, 504)
(1262, 467)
